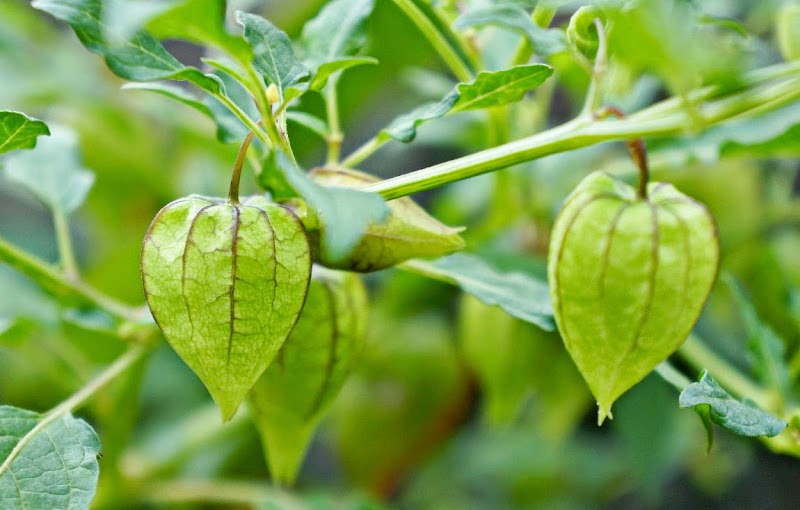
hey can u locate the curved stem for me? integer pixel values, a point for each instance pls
(594, 94)
(437, 40)
(76, 400)
(62, 287)
(236, 175)
(64, 241)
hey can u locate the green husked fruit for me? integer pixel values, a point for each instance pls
(291, 396)
(409, 232)
(225, 283)
(628, 279)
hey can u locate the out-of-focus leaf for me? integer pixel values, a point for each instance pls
(519, 294)
(742, 418)
(91, 320)
(786, 23)
(18, 131)
(229, 128)
(273, 55)
(689, 54)
(199, 21)
(425, 8)
(766, 347)
(308, 121)
(53, 171)
(56, 467)
(140, 58)
(404, 127)
(344, 213)
(123, 18)
(500, 87)
(513, 17)
(325, 70)
(339, 30)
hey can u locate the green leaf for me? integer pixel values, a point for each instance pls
(53, 171)
(229, 127)
(334, 66)
(201, 22)
(291, 396)
(140, 58)
(408, 232)
(18, 131)
(767, 348)
(742, 418)
(339, 30)
(345, 214)
(308, 121)
(274, 56)
(225, 283)
(171, 91)
(404, 127)
(56, 466)
(122, 19)
(519, 294)
(514, 17)
(500, 87)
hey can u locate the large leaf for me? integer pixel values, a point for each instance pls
(53, 171)
(344, 213)
(519, 294)
(56, 466)
(501, 87)
(140, 58)
(514, 17)
(766, 347)
(18, 131)
(274, 56)
(742, 418)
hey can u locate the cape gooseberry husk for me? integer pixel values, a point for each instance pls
(409, 232)
(226, 282)
(628, 279)
(293, 393)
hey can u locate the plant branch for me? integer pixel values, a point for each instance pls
(246, 120)
(582, 132)
(76, 400)
(365, 151)
(672, 375)
(64, 241)
(335, 136)
(437, 40)
(542, 16)
(594, 94)
(236, 174)
(231, 492)
(59, 285)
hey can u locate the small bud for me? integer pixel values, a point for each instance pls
(273, 94)
(582, 32)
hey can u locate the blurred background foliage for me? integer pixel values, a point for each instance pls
(455, 404)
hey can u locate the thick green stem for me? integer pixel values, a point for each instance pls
(437, 40)
(582, 132)
(79, 398)
(58, 284)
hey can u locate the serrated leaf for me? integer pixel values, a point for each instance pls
(18, 131)
(291, 396)
(324, 71)
(404, 127)
(408, 232)
(519, 294)
(514, 17)
(56, 467)
(766, 347)
(308, 121)
(344, 213)
(53, 171)
(338, 31)
(140, 58)
(273, 55)
(500, 87)
(742, 418)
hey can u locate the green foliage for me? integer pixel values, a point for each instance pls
(721, 408)
(18, 131)
(51, 467)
